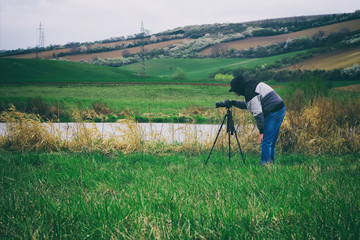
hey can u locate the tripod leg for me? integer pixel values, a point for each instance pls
(229, 147)
(216, 139)
(233, 130)
(242, 155)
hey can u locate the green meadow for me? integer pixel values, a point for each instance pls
(174, 196)
(198, 70)
(41, 84)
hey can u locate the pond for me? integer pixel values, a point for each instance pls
(167, 132)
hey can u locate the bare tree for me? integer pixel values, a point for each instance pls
(219, 50)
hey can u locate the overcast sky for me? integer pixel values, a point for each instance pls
(90, 20)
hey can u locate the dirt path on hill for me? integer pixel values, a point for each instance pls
(250, 60)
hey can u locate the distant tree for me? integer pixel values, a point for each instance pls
(153, 38)
(83, 49)
(179, 74)
(126, 53)
(318, 35)
(219, 50)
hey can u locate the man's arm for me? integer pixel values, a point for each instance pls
(239, 104)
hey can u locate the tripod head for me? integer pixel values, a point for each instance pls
(230, 123)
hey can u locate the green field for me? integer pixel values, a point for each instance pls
(199, 69)
(141, 196)
(25, 71)
(167, 99)
(61, 85)
(45, 71)
(30, 71)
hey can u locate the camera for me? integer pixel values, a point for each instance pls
(226, 103)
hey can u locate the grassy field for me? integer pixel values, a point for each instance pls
(198, 70)
(26, 71)
(141, 196)
(167, 99)
(160, 70)
(195, 69)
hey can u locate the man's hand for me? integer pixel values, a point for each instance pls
(261, 137)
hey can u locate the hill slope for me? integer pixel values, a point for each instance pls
(267, 40)
(337, 59)
(108, 54)
(159, 70)
(45, 71)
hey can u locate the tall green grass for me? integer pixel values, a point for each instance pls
(142, 196)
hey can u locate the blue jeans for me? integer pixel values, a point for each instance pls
(271, 132)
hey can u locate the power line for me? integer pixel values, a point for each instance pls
(41, 43)
(41, 36)
(142, 68)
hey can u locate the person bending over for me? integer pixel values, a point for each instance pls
(268, 109)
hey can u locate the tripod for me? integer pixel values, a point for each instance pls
(230, 129)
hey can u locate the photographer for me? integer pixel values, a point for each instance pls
(268, 109)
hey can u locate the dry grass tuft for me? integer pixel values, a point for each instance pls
(327, 126)
(26, 132)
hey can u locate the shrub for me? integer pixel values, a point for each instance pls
(223, 77)
(179, 74)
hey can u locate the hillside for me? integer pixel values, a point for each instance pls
(204, 38)
(120, 53)
(45, 71)
(108, 54)
(353, 25)
(246, 43)
(337, 59)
